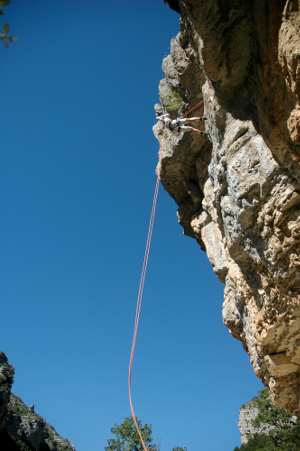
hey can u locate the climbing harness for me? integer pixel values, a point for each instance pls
(138, 309)
(181, 123)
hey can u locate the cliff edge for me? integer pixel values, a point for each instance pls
(21, 429)
(237, 184)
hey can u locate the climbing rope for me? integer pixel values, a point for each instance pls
(138, 310)
(193, 108)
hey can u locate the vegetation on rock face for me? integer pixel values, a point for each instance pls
(270, 415)
(172, 98)
(282, 432)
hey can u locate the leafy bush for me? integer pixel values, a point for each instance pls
(284, 432)
(127, 439)
(5, 35)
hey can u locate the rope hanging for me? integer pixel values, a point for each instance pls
(138, 310)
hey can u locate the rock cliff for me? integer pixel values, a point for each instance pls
(21, 429)
(237, 184)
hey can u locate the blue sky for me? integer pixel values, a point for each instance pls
(77, 174)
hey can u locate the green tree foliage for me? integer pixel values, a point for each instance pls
(3, 3)
(284, 434)
(268, 414)
(126, 437)
(5, 35)
(284, 440)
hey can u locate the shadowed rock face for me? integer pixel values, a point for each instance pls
(238, 186)
(21, 429)
(6, 380)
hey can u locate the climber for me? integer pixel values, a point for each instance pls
(179, 123)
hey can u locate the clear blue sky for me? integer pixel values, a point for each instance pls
(77, 174)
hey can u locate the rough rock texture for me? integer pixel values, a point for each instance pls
(248, 413)
(238, 186)
(246, 423)
(6, 380)
(21, 429)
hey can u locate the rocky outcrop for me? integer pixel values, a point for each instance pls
(247, 429)
(6, 380)
(21, 429)
(258, 417)
(237, 185)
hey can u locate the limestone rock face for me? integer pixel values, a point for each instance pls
(237, 186)
(21, 429)
(248, 413)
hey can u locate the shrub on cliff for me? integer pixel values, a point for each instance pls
(284, 440)
(281, 431)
